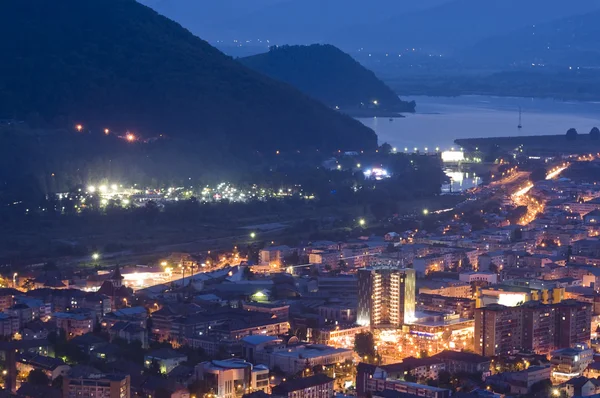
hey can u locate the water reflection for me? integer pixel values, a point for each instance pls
(460, 181)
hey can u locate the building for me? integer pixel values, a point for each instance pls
(292, 359)
(521, 382)
(497, 330)
(464, 308)
(317, 386)
(129, 332)
(582, 387)
(52, 367)
(97, 385)
(274, 255)
(281, 311)
(460, 361)
(344, 314)
(489, 278)
(446, 287)
(539, 326)
(337, 336)
(574, 319)
(568, 363)
(75, 323)
(166, 359)
(9, 325)
(377, 385)
(533, 326)
(386, 296)
(339, 286)
(233, 377)
(115, 290)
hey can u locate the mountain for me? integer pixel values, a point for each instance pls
(326, 73)
(571, 41)
(459, 24)
(280, 21)
(208, 18)
(118, 64)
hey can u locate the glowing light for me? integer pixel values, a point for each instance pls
(253, 235)
(96, 256)
(425, 212)
(103, 188)
(453, 156)
(375, 102)
(106, 131)
(114, 187)
(362, 222)
(130, 137)
(91, 189)
(79, 127)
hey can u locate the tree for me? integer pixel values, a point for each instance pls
(364, 345)
(385, 148)
(38, 378)
(572, 134)
(595, 134)
(539, 174)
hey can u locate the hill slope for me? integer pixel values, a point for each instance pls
(328, 74)
(119, 64)
(460, 23)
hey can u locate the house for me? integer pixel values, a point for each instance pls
(317, 386)
(521, 382)
(581, 386)
(52, 367)
(129, 332)
(166, 358)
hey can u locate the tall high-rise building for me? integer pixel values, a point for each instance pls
(497, 329)
(573, 323)
(386, 296)
(533, 326)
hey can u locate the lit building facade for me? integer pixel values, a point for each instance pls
(386, 296)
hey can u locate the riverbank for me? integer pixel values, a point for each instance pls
(550, 144)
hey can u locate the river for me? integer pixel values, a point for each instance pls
(440, 120)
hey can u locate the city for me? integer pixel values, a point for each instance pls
(494, 296)
(299, 199)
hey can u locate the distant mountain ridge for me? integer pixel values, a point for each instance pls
(120, 65)
(571, 41)
(280, 21)
(328, 74)
(459, 24)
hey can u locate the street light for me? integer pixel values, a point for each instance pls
(362, 222)
(425, 212)
(79, 127)
(253, 235)
(95, 256)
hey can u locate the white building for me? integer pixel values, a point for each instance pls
(568, 363)
(469, 277)
(293, 359)
(274, 255)
(233, 377)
